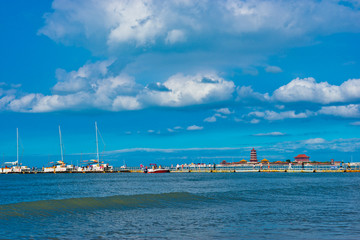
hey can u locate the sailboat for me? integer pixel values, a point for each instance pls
(58, 166)
(94, 165)
(15, 167)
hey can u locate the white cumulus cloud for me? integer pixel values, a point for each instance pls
(348, 111)
(187, 90)
(94, 87)
(309, 90)
(143, 22)
(81, 79)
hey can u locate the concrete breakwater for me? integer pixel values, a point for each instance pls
(196, 169)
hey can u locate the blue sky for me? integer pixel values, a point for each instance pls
(181, 81)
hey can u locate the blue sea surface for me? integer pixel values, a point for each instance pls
(180, 206)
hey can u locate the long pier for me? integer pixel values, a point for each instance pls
(216, 169)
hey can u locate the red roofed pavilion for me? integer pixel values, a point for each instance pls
(302, 158)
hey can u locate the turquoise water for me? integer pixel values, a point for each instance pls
(181, 206)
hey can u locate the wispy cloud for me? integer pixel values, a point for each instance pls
(357, 123)
(210, 119)
(171, 150)
(270, 134)
(315, 141)
(254, 121)
(194, 128)
(224, 111)
(272, 115)
(314, 144)
(220, 113)
(273, 69)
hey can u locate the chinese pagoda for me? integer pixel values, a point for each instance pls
(253, 157)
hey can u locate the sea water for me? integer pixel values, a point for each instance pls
(180, 206)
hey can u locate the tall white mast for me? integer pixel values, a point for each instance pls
(97, 143)
(17, 146)
(61, 146)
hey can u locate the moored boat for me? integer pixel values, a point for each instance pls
(58, 166)
(95, 165)
(155, 169)
(158, 170)
(15, 167)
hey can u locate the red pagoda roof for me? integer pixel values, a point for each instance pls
(301, 156)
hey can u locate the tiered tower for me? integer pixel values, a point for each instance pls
(253, 157)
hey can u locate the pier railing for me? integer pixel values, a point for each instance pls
(252, 168)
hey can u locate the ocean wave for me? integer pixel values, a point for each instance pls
(54, 207)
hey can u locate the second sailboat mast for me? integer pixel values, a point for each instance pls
(61, 146)
(97, 144)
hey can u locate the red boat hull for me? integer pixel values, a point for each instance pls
(158, 171)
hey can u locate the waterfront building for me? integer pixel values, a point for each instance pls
(265, 160)
(223, 162)
(253, 157)
(302, 158)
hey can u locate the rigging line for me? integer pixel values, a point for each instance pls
(102, 155)
(101, 137)
(22, 149)
(63, 152)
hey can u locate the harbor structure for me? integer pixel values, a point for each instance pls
(253, 156)
(265, 161)
(302, 158)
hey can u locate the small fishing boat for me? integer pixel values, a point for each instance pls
(155, 169)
